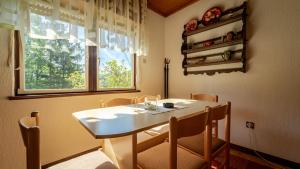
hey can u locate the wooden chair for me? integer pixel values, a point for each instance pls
(142, 98)
(117, 102)
(156, 153)
(204, 97)
(156, 130)
(218, 145)
(210, 98)
(30, 131)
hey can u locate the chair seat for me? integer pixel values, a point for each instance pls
(158, 130)
(157, 157)
(93, 160)
(196, 143)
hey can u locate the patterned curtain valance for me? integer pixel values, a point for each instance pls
(118, 24)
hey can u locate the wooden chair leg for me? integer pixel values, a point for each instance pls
(134, 151)
(227, 157)
(215, 128)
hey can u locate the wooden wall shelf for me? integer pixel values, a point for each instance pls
(216, 25)
(234, 15)
(214, 63)
(212, 55)
(212, 72)
(216, 46)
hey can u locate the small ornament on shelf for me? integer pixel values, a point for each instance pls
(230, 36)
(211, 16)
(226, 55)
(191, 25)
(208, 43)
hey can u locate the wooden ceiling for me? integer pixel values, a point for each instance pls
(168, 7)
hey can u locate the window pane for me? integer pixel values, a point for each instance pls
(54, 63)
(115, 69)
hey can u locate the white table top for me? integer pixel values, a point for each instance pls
(125, 120)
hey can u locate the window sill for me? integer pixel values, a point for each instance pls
(69, 94)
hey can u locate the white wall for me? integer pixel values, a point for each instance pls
(61, 135)
(269, 93)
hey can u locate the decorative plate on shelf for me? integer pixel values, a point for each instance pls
(191, 25)
(211, 16)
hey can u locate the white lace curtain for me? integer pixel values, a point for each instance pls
(122, 24)
(8, 13)
(118, 24)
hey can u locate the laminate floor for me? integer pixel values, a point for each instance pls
(239, 160)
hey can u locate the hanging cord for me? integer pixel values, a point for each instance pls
(254, 143)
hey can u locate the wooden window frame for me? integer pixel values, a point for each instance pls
(92, 77)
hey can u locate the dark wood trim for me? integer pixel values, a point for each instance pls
(17, 44)
(185, 58)
(268, 157)
(92, 83)
(68, 94)
(244, 32)
(69, 157)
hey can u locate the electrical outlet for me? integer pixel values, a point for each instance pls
(250, 124)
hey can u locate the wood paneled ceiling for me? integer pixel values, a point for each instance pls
(168, 7)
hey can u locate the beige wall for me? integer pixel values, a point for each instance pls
(61, 135)
(269, 93)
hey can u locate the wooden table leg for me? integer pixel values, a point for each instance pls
(109, 151)
(134, 151)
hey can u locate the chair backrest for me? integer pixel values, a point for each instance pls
(205, 97)
(223, 112)
(118, 102)
(190, 126)
(30, 131)
(220, 112)
(142, 98)
(211, 98)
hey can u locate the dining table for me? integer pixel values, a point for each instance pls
(126, 120)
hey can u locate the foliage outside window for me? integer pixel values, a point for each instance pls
(115, 69)
(56, 63)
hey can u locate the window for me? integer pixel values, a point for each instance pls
(56, 60)
(71, 47)
(52, 61)
(115, 69)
